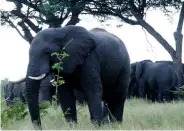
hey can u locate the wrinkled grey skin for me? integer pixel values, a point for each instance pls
(98, 64)
(156, 79)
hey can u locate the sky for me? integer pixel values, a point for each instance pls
(140, 45)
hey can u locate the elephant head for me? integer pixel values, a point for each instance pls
(74, 40)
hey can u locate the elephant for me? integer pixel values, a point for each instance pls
(158, 80)
(140, 70)
(98, 64)
(133, 87)
(14, 91)
(47, 91)
(4, 85)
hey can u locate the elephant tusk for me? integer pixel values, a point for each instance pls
(38, 78)
(19, 81)
(52, 80)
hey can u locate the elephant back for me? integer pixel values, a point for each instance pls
(141, 68)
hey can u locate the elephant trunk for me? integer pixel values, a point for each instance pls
(32, 93)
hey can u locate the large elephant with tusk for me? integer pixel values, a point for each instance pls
(98, 64)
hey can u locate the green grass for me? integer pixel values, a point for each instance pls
(138, 114)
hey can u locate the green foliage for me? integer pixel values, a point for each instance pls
(138, 115)
(17, 111)
(58, 66)
(43, 108)
(181, 91)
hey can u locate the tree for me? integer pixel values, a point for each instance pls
(133, 12)
(54, 12)
(30, 16)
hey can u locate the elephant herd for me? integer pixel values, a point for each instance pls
(97, 71)
(156, 81)
(14, 91)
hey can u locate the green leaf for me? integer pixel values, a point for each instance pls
(54, 96)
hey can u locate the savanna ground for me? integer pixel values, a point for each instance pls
(138, 114)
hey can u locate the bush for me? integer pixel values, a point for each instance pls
(17, 111)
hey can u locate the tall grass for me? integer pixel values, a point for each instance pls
(138, 114)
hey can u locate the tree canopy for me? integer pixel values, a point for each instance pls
(31, 15)
(133, 12)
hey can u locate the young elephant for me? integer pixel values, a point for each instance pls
(98, 63)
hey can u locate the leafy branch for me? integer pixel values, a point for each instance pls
(58, 81)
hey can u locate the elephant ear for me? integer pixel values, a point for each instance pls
(139, 70)
(78, 44)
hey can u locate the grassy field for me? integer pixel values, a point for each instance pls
(138, 114)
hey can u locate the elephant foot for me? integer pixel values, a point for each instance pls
(37, 125)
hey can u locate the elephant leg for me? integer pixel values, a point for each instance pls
(79, 96)
(91, 83)
(149, 94)
(93, 91)
(141, 88)
(167, 96)
(153, 95)
(68, 103)
(175, 96)
(22, 98)
(10, 100)
(45, 94)
(116, 110)
(159, 97)
(105, 112)
(117, 99)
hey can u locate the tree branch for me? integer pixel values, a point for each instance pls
(73, 20)
(24, 18)
(178, 35)
(181, 18)
(129, 21)
(25, 2)
(27, 33)
(12, 25)
(153, 32)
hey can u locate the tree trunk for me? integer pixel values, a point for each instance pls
(153, 32)
(178, 36)
(178, 40)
